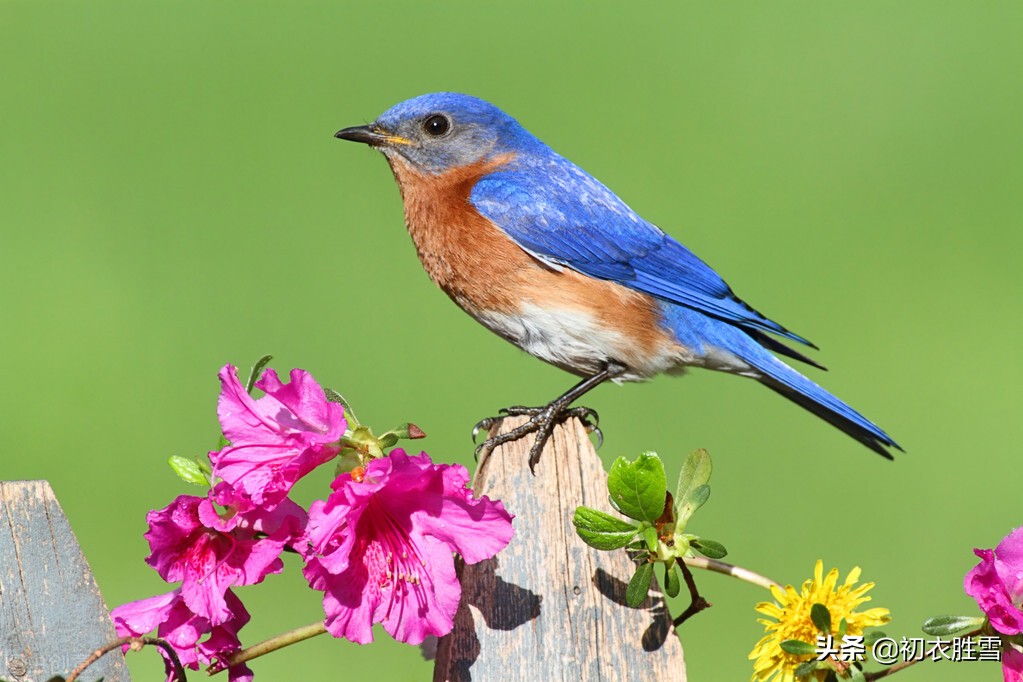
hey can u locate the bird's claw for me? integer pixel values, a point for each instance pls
(542, 421)
(590, 421)
(589, 417)
(484, 424)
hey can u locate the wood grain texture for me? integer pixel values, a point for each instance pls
(52, 615)
(549, 607)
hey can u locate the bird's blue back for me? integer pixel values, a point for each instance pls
(561, 214)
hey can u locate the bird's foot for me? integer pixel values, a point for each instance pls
(542, 421)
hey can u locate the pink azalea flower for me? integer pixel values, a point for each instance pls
(1012, 664)
(997, 583)
(380, 549)
(174, 621)
(276, 440)
(190, 542)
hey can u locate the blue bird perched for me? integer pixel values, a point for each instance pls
(545, 256)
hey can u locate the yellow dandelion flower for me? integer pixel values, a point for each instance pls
(791, 614)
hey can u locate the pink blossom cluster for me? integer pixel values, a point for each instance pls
(997, 585)
(379, 547)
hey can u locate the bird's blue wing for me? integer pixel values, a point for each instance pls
(562, 215)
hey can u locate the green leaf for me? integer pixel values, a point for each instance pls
(798, 648)
(856, 675)
(695, 472)
(949, 625)
(805, 669)
(257, 369)
(639, 586)
(409, 431)
(843, 628)
(650, 536)
(870, 638)
(699, 496)
(204, 465)
(188, 470)
(602, 531)
(709, 548)
(821, 618)
(638, 488)
(335, 397)
(696, 499)
(672, 582)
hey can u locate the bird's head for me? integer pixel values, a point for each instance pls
(443, 131)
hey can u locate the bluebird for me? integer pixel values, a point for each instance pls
(542, 254)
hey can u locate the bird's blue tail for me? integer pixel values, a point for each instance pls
(781, 378)
(709, 336)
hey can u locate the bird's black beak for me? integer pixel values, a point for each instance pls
(372, 135)
(365, 134)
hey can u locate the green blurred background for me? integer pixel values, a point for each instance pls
(173, 200)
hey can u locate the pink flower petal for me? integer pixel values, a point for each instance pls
(276, 440)
(1009, 563)
(223, 642)
(191, 543)
(996, 583)
(475, 528)
(306, 406)
(242, 418)
(1012, 664)
(330, 534)
(141, 617)
(381, 549)
(411, 606)
(170, 616)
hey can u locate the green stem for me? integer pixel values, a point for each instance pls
(732, 570)
(273, 644)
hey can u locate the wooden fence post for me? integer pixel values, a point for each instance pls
(52, 615)
(549, 607)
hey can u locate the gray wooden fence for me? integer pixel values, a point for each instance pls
(548, 607)
(52, 615)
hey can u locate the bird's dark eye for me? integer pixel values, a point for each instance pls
(436, 125)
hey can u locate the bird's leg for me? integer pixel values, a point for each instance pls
(543, 419)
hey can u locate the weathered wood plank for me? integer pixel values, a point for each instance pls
(52, 615)
(549, 607)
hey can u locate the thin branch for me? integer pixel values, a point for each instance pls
(697, 604)
(135, 644)
(273, 644)
(892, 670)
(913, 661)
(732, 570)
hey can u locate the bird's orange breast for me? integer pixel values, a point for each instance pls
(460, 249)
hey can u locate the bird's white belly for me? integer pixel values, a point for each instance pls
(576, 341)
